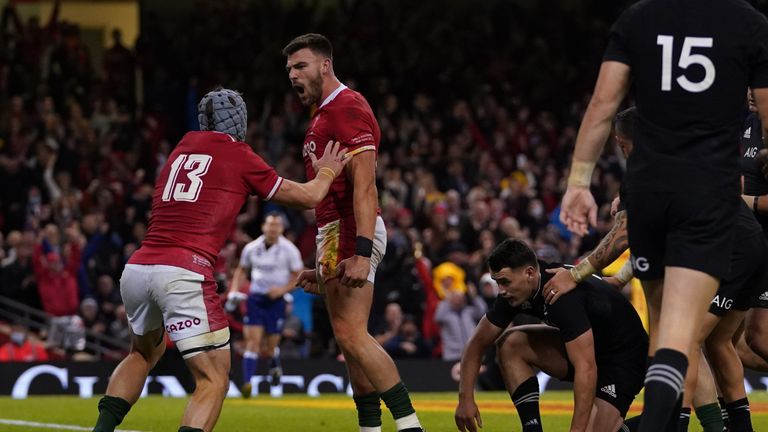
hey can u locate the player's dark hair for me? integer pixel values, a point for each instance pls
(624, 122)
(511, 253)
(316, 42)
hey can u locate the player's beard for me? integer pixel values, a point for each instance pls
(314, 90)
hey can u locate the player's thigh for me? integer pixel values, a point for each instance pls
(538, 345)
(726, 328)
(699, 232)
(646, 231)
(211, 366)
(144, 314)
(150, 345)
(192, 311)
(348, 304)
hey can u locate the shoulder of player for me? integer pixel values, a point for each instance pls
(348, 101)
(253, 244)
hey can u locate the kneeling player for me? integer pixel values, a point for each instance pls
(596, 340)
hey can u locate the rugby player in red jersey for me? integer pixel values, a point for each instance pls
(168, 286)
(351, 235)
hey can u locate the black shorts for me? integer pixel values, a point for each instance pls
(690, 230)
(739, 289)
(618, 382)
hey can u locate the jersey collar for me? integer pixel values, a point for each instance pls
(333, 95)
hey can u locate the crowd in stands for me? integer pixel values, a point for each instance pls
(478, 122)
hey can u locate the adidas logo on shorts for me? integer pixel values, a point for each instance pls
(533, 422)
(609, 390)
(764, 296)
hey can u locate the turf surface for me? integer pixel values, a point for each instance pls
(302, 413)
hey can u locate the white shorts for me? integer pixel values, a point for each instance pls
(335, 244)
(184, 302)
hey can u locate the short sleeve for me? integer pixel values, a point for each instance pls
(260, 178)
(758, 62)
(295, 264)
(245, 255)
(354, 129)
(618, 40)
(569, 314)
(502, 313)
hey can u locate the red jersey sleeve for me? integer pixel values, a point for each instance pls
(260, 178)
(354, 129)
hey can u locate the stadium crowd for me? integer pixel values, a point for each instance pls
(476, 137)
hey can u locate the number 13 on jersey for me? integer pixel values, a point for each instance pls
(197, 165)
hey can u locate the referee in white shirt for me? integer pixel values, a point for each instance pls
(274, 264)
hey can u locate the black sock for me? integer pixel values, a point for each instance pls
(710, 418)
(739, 416)
(112, 410)
(368, 409)
(663, 387)
(526, 399)
(723, 411)
(189, 429)
(685, 419)
(398, 401)
(673, 424)
(631, 424)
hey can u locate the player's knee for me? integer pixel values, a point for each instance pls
(511, 344)
(349, 335)
(757, 340)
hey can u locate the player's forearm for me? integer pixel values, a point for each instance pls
(237, 277)
(584, 387)
(612, 245)
(365, 204)
(594, 131)
(471, 360)
(304, 195)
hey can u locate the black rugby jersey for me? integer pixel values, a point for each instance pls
(691, 62)
(593, 304)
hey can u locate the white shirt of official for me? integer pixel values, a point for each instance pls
(270, 267)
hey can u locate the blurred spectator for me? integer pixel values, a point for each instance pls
(55, 268)
(22, 347)
(393, 318)
(119, 328)
(407, 343)
(457, 315)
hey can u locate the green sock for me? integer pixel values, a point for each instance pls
(398, 401)
(112, 410)
(710, 418)
(189, 429)
(368, 409)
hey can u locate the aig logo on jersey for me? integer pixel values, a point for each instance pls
(751, 152)
(309, 147)
(639, 264)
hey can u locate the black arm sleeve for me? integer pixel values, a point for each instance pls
(502, 313)
(569, 314)
(618, 40)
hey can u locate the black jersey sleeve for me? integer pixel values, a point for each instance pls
(502, 313)
(618, 40)
(569, 314)
(759, 53)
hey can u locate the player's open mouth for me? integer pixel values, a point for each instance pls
(299, 89)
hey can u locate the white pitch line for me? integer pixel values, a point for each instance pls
(52, 425)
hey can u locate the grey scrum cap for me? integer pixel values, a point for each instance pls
(223, 110)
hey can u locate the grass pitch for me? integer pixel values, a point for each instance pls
(301, 413)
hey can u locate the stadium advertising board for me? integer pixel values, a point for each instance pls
(312, 377)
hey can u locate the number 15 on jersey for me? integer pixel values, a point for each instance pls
(687, 59)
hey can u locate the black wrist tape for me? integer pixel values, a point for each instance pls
(363, 246)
